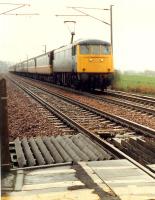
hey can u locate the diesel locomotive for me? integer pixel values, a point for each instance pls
(85, 64)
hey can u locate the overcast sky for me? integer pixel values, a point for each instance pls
(133, 32)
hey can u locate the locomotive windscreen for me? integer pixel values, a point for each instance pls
(95, 49)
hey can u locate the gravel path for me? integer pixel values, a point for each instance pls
(25, 117)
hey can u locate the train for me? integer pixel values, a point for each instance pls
(84, 64)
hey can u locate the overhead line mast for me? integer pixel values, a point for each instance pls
(84, 14)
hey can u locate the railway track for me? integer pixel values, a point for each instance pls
(146, 100)
(115, 118)
(117, 131)
(142, 104)
(138, 106)
(70, 147)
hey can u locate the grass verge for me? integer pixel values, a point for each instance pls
(137, 83)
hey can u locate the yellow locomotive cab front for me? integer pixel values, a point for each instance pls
(94, 59)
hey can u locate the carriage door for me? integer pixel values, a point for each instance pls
(51, 59)
(74, 58)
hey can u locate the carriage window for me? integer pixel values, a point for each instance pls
(31, 63)
(95, 49)
(43, 60)
(105, 50)
(85, 49)
(25, 64)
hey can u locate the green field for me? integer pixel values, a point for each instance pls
(139, 83)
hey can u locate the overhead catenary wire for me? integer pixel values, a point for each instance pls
(19, 5)
(12, 9)
(86, 14)
(110, 24)
(22, 14)
(89, 8)
(14, 4)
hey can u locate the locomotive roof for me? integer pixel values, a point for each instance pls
(92, 41)
(84, 42)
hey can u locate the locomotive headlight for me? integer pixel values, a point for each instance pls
(90, 60)
(101, 60)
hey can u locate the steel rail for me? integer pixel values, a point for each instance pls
(143, 99)
(104, 98)
(119, 120)
(127, 104)
(132, 94)
(58, 113)
(109, 147)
